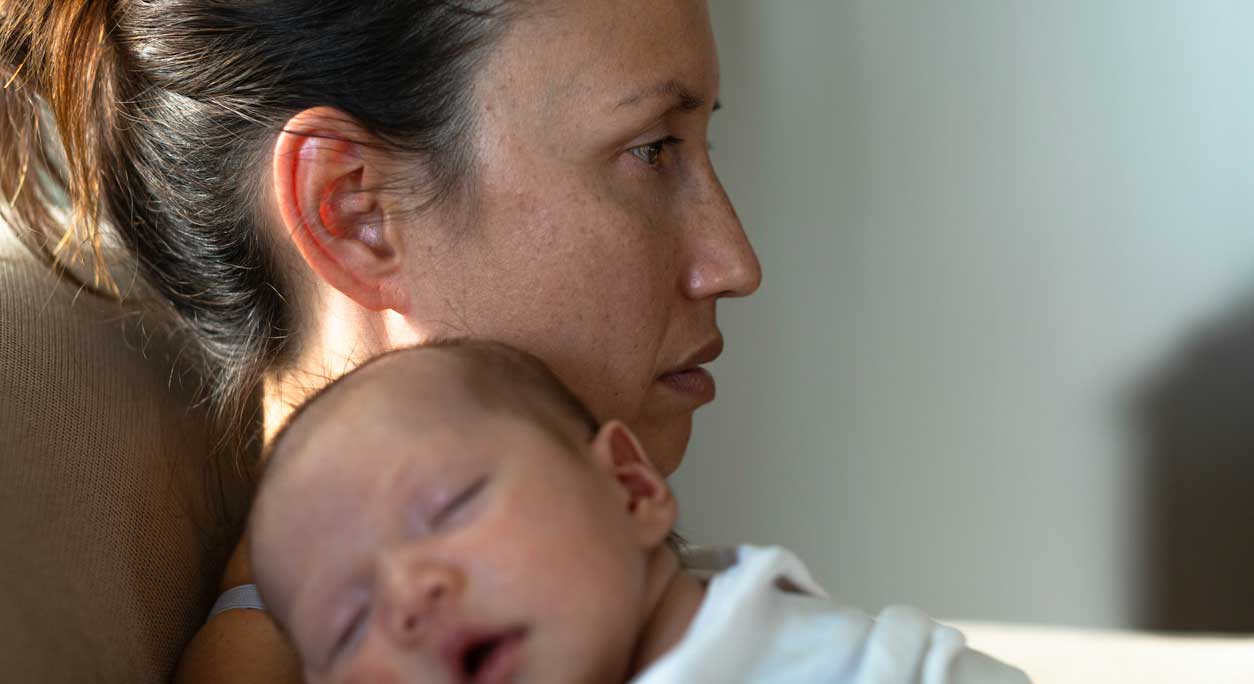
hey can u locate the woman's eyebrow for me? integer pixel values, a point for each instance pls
(685, 98)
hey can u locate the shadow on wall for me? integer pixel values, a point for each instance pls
(1196, 423)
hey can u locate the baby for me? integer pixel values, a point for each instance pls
(452, 514)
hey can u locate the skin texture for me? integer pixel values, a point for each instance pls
(588, 240)
(416, 516)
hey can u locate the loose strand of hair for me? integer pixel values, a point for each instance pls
(59, 71)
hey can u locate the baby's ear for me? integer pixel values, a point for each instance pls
(646, 496)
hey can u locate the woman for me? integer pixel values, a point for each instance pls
(311, 182)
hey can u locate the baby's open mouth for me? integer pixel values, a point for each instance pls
(490, 658)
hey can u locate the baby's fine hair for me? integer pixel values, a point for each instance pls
(498, 377)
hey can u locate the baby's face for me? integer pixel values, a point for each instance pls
(475, 554)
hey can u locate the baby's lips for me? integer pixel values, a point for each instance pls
(481, 656)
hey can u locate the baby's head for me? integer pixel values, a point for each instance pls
(452, 514)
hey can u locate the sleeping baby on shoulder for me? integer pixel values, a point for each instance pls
(452, 514)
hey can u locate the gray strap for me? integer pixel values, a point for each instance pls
(704, 562)
(243, 597)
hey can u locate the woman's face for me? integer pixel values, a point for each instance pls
(600, 238)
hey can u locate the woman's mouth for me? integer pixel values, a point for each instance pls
(696, 383)
(690, 379)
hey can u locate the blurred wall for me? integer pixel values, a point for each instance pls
(999, 364)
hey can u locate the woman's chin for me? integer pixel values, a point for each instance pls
(665, 438)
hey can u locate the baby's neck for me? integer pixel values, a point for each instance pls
(676, 597)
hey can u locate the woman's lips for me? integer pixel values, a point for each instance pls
(696, 383)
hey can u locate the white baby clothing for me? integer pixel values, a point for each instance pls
(765, 619)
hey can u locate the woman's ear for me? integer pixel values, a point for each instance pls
(325, 180)
(647, 498)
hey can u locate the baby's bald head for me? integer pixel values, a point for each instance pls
(444, 384)
(403, 398)
(444, 489)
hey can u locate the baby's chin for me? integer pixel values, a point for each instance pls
(586, 660)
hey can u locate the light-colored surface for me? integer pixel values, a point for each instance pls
(1077, 656)
(983, 224)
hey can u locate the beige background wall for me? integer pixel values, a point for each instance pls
(1007, 245)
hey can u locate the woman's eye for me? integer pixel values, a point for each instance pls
(651, 154)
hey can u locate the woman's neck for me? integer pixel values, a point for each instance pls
(344, 337)
(280, 397)
(678, 598)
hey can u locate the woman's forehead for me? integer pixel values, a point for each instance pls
(594, 56)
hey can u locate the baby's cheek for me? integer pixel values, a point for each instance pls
(570, 578)
(370, 670)
(378, 662)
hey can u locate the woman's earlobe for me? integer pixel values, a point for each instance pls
(335, 222)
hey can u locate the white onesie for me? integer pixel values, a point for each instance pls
(764, 619)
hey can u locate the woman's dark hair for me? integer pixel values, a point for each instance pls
(152, 118)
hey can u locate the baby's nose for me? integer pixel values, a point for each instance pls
(417, 592)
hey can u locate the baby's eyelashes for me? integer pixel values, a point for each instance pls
(449, 514)
(350, 630)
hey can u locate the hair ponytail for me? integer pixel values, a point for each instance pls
(156, 118)
(58, 70)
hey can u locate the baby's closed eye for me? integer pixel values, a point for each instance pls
(457, 508)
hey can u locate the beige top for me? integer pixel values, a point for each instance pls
(111, 545)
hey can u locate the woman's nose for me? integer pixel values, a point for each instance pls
(721, 263)
(414, 593)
